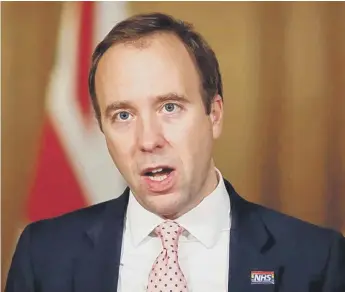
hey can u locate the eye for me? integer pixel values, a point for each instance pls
(171, 107)
(122, 116)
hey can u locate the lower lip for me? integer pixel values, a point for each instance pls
(160, 186)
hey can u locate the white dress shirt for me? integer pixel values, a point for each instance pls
(203, 246)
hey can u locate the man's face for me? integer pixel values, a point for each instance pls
(155, 124)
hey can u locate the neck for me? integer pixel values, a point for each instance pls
(211, 182)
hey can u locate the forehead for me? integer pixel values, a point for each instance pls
(152, 66)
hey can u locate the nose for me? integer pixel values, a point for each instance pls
(150, 135)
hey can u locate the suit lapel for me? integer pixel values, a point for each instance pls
(251, 245)
(97, 268)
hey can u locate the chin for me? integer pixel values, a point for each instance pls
(168, 214)
(167, 209)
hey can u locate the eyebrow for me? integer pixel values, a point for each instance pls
(117, 105)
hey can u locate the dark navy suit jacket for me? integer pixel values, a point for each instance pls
(80, 251)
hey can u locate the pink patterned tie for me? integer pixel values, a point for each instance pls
(166, 275)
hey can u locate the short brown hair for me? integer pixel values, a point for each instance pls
(143, 25)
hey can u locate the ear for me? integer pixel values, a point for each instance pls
(216, 116)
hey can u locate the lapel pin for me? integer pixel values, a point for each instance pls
(262, 277)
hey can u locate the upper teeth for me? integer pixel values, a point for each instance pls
(157, 170)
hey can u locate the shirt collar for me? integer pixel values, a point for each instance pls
(140, 221)
(205, 222)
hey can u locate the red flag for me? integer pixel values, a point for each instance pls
(73, 168)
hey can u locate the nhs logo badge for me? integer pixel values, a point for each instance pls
(262, 277)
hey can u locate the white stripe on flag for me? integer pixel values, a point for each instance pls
(84, 145)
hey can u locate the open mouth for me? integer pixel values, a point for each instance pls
(158, 174)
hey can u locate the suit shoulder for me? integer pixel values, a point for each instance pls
(295, 230)
(69, 222)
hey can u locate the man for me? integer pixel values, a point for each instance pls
(179, 226)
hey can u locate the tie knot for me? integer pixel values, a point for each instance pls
(169, 232)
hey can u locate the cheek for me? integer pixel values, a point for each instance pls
(119, 147)
(188, 138)
(179, 132)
